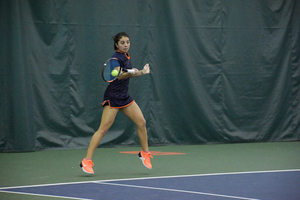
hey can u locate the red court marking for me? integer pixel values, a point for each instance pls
(154, 153)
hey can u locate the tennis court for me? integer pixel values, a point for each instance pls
(220, 171)
(217, 81)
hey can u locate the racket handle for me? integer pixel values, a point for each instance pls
(130, 71)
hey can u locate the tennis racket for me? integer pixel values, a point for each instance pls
(112, 70)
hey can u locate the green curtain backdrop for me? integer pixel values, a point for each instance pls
(221, 71)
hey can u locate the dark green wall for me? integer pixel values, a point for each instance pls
(221, 71)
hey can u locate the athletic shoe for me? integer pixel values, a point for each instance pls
(87, 166)
(145, 157)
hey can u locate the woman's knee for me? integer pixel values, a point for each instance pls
(141, 123)
(103, 129)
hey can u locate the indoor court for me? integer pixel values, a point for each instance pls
(218, 171)
(212, 87)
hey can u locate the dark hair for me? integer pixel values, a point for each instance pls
(117, 38)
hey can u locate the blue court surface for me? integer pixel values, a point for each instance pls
(267, 185)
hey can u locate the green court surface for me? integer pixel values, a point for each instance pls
(62, 166)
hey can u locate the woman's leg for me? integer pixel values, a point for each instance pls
(108, 117)
(134, 113)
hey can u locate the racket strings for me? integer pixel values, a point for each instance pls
(111, 64)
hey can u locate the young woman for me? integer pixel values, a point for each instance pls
(116, 98)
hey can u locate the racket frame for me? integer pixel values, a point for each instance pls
(120, 69)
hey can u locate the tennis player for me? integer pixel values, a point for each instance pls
(116, 98)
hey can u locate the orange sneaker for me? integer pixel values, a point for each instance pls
(87, 166)
(145, 157)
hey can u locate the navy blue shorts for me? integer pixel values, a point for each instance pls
(117, 103)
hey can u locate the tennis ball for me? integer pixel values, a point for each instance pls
(114, 72)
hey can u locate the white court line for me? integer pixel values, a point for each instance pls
(145, 178)
(182, 191)
(50, 184)
(195, 175)
(45, 195)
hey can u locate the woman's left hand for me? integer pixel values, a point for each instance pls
(146, 69)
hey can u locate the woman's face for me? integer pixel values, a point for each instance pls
(123, 44)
